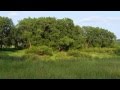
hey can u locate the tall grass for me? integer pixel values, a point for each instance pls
(99, 50)
(74, 64)
(60, 69)
(40, 50)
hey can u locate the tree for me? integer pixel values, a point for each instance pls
(59, 34)
(6, 27)
(65, 43)
(78, 36)
(98, 37)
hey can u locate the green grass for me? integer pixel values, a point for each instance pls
(61, 65)
(65, 69)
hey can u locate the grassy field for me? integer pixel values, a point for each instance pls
(88, 64)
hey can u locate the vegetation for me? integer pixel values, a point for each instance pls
(47, 47)
(59, 34)
(18, 65)
(42, 50)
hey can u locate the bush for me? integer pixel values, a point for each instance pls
(74, 53)
(77, 53)
(99, 50)
(61, 56)
(40, 50)
(117, 51)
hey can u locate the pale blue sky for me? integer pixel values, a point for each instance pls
(106, 19)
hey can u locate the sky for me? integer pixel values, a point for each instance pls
(109, 20)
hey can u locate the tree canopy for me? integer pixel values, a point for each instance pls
(6, 27)
(60, 34)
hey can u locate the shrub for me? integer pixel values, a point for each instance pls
(74, 53)
(40, 50)
(99, 50)
(117, 51)
(61, 56)
(77, 53)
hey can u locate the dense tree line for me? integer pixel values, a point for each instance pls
(60, 34)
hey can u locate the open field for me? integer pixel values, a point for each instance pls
(18, 65)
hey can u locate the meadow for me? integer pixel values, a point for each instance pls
(90, 63)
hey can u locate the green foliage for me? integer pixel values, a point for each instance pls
(79, 54)
(89, 53)
(61, 56)
(40, 50)
(98, 37)
(74, 53)
(60, 34)
(100, 50)
(6, 28)
(65, 43)
(117, 43)
(33, 67)
(117, 51)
